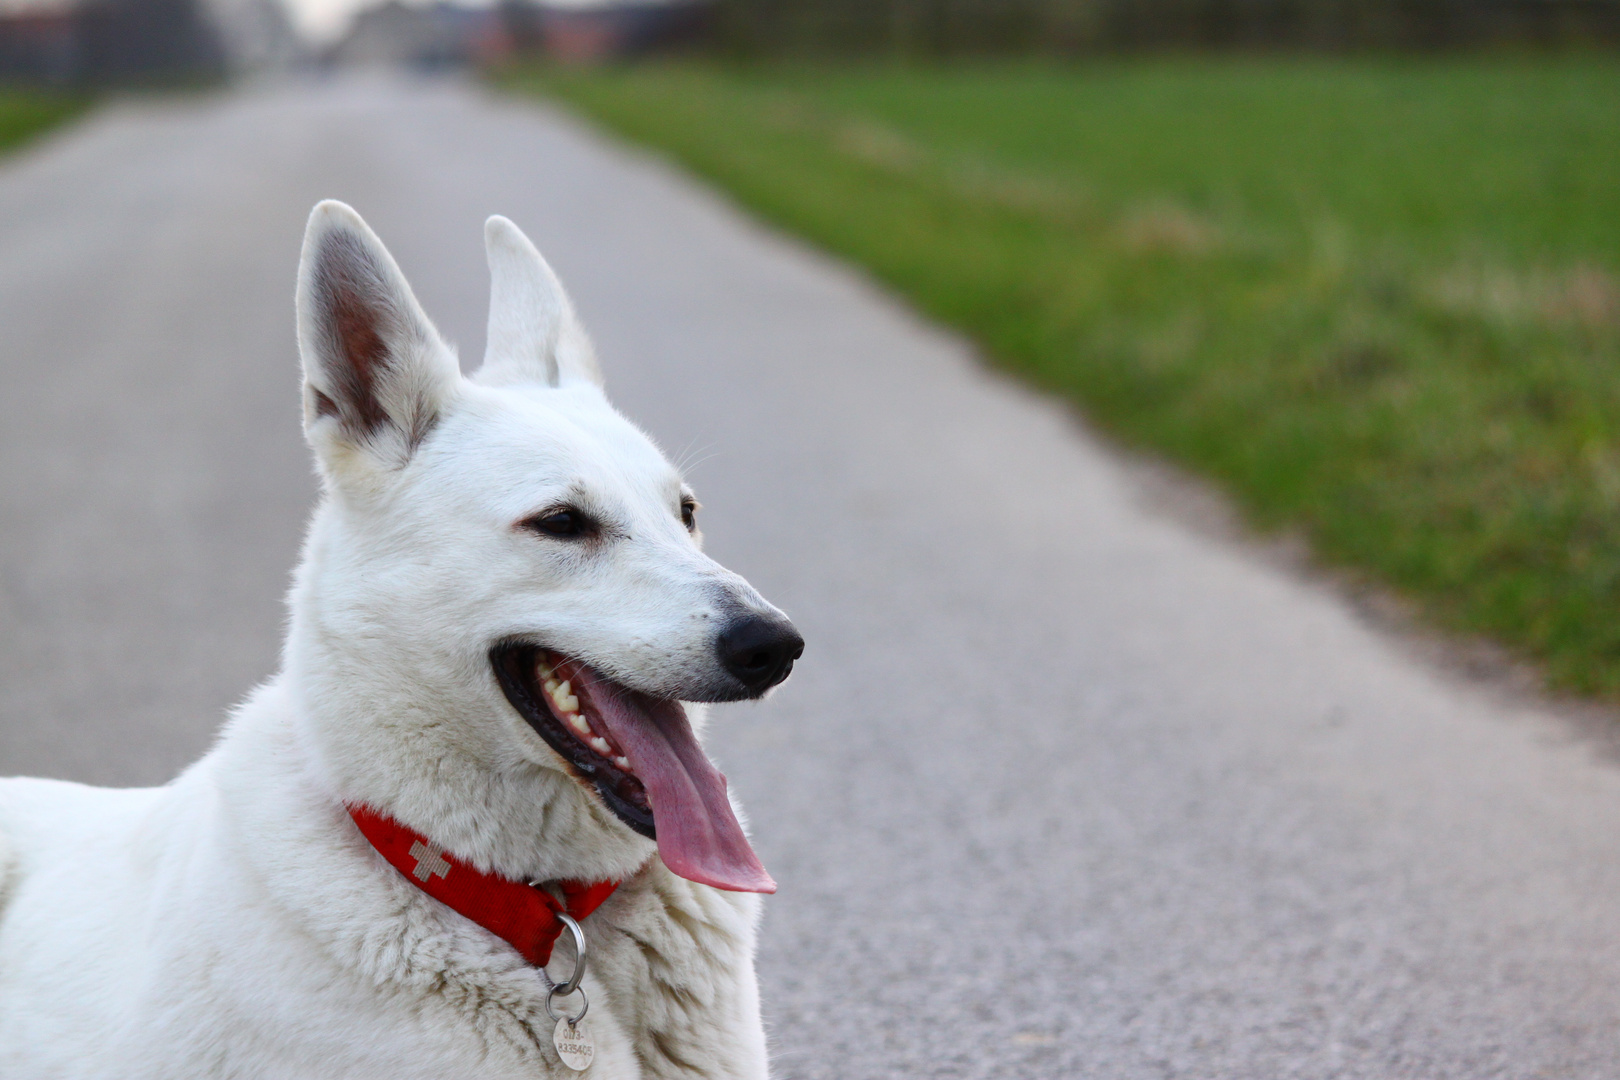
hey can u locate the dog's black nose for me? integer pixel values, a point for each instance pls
(759, 650)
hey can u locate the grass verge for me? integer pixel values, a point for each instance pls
(1377, 299)
(26, 113)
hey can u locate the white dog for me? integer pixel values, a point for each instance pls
(477, 724)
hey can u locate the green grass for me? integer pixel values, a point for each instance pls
(26, 113)
(1379, 300)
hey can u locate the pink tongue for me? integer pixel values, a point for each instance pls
(698, 835)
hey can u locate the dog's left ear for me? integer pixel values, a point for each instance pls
(376, 373)
(534, 335)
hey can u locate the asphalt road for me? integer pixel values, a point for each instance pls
(1062, 788)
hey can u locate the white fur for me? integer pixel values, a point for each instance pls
(235, 923)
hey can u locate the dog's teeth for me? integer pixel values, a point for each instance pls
(622, 763)
(600, 745)
(565, 700)
(550, 685)
(581, 725)
(543, 669)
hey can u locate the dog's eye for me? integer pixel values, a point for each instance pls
(689, 514)
(565, 524)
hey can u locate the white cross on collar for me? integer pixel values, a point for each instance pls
(429, 861)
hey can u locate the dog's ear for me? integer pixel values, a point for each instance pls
(376, 372)
(534, 335)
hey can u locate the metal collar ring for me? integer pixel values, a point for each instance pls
(565, 988)
(551, 1009)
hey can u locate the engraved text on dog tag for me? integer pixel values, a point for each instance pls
(574, 1044)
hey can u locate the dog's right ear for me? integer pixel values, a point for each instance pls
(376, 373)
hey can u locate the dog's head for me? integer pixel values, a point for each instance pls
(504, 596)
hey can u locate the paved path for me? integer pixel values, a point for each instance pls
(1061, 789)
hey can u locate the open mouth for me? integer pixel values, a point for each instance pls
(640, 755)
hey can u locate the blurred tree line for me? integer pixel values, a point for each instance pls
(111, 42)
(969, 27)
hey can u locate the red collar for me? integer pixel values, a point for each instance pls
(523, 915)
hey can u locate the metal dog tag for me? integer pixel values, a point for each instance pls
(571, 1037)
(574, 1044)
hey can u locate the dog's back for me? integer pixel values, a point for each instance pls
(48, 826)
(70, 901)
(10, 874)
(41, 820)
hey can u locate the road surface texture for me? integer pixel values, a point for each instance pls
(1062, 788)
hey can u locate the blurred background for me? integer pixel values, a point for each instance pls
(1076, 778)
(63, 42)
